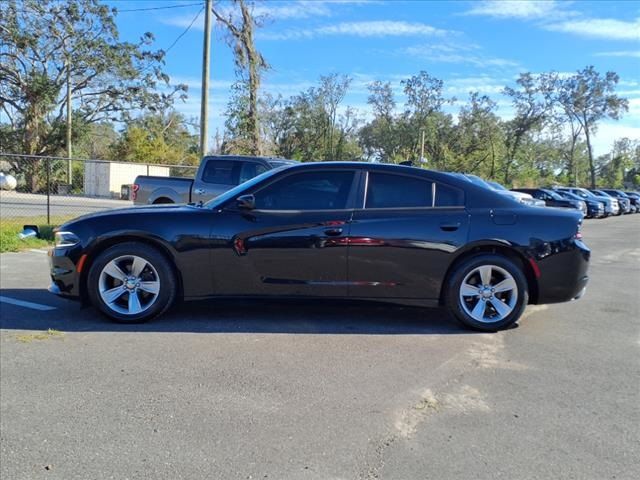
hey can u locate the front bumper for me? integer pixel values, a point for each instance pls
(65, 280)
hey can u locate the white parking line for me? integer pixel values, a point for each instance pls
(38, 251)
(22, 303)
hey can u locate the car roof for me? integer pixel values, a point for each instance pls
(447, 177)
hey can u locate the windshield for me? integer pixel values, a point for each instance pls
(282, 163)
(478, 181)
(552, 194)
(235, 191)
(495, 185)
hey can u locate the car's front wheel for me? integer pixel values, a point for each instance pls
(487, 292)
(131, 283)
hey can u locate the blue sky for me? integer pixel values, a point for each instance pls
(471, 45)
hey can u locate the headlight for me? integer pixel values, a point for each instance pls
(66, 239)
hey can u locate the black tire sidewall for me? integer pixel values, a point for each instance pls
(452, 299)
(162, 266)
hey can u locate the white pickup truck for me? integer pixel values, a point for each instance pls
(216, 175)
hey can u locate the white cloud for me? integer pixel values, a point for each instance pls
(605, 28)
(620, 53)
(271, 10)
(522, 9)
(375, 28)
(449, 53)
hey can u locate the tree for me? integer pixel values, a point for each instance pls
(158, 138)
(423, 112)
(478, 142)
(533, 101)
(589, 97)
(43, 41)
(248, 59)
(379, 137)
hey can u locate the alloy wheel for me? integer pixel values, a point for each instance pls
(488, 293)
(129, 285)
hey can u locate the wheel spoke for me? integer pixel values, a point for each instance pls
(138, 266)
(113, 270)
(134, 303)
(502, 308)
(478, 310)
(111, 295)
(151, 287)
(467, 290)
(505, 285)
(485, 274)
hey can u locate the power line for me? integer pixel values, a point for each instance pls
(158, 8)
(185, 31)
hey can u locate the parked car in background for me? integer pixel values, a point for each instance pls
(330, 230)
(611, 206)
(635, 199)
(622, 197)
(595, 208)
(624, 203)
(216, 175)
(553, 199)
(522, 197)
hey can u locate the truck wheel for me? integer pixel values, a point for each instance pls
(160, 200)
(131, 283)
(487, 292)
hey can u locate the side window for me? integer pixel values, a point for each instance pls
(224, 172)
(447, 196)
(398, 191)
(250, 170)
(328, 190)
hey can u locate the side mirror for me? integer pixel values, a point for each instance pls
(246, 202)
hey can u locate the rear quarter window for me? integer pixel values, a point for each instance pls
(448, 196)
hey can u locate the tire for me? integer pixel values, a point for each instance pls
(112, 276)
(162, 201)
(475, 306)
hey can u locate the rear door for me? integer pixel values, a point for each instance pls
(403, 237)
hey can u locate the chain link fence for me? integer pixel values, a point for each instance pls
(51, 190)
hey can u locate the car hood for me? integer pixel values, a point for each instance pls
(161, 209)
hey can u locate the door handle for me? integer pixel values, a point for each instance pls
(200, 191)
(450, 227)
(333, 232)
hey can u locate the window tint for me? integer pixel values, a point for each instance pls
(224, 172)
(250, 170)
(447, 196)
(307, 191)
(397, 191)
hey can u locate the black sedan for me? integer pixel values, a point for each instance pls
(330, 230)
(552, 199)
(595, 208)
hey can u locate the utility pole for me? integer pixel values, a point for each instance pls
(69, 166)
(204, 102)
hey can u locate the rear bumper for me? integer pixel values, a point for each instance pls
(564, 273)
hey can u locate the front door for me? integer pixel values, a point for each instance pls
(294, 243)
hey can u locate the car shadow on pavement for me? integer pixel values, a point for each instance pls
(237, 316)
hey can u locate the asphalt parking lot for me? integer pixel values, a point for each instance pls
(324, 391)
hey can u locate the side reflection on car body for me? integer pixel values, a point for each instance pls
(333, 230)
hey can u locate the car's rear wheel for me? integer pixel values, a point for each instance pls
(487, 292)
(131, 283)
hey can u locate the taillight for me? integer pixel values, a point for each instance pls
(134, 191)
(578, 235)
